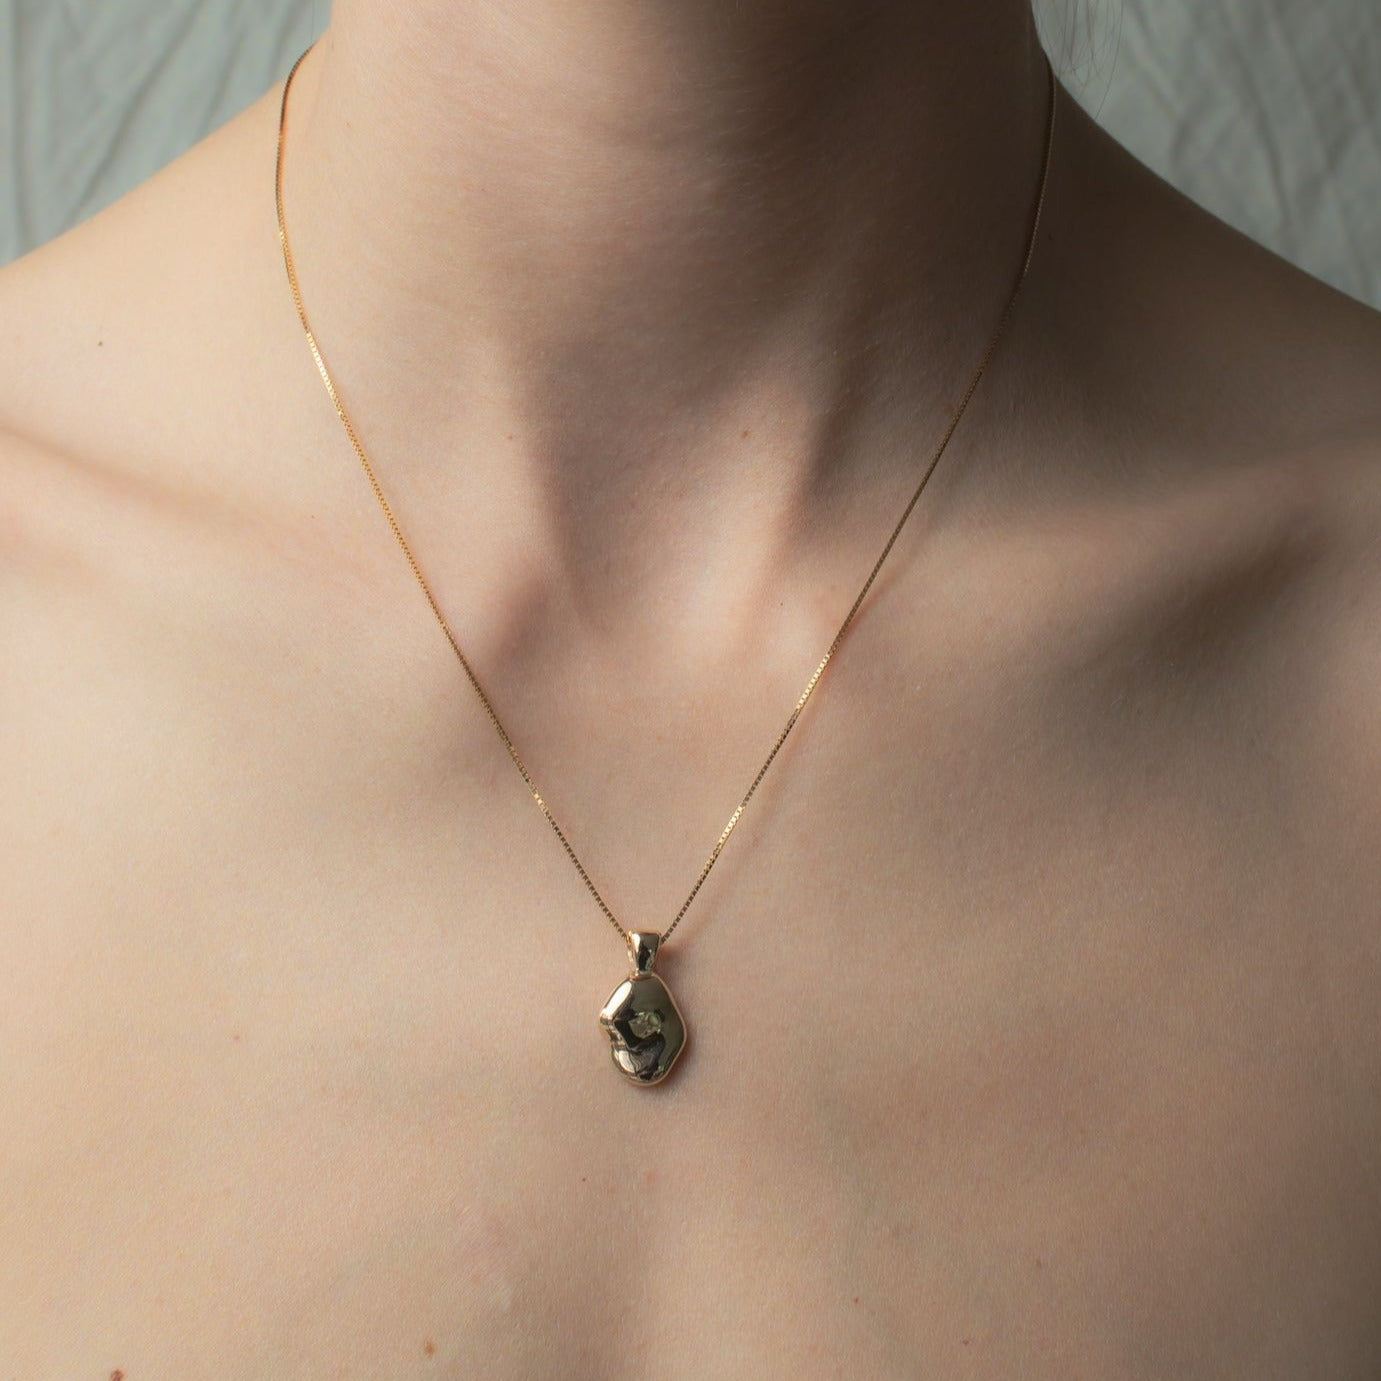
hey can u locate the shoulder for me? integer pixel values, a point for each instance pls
(150, 453)
(1206, 461)
(1209, 385)
(138, 558)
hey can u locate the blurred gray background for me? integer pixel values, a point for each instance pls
(1268, 112)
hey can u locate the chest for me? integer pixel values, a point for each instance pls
(997, 1066)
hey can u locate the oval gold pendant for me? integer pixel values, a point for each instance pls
(644, 1025)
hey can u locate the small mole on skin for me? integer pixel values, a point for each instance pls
(855, 1299)
(117, 1375)
(236, 1036)
(745, 436)
(428, 1346)
(100, 342)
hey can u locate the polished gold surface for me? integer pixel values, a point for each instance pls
(645, 1028)
(647, 992)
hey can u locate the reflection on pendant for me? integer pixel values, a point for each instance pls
(644, 1025)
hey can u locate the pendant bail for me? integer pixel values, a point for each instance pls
(642, 949)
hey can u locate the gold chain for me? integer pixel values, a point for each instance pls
(843, 627)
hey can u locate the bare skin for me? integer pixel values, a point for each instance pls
(1032, 1007)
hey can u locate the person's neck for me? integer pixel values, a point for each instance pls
(639, 268)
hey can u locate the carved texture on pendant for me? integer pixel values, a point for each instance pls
(644, 1025)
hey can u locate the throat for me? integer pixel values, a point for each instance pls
(624, 236)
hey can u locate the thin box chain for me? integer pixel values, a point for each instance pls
(843, 627)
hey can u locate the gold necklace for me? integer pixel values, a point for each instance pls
(645, 1028)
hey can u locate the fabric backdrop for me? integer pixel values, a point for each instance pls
(1268, 112)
